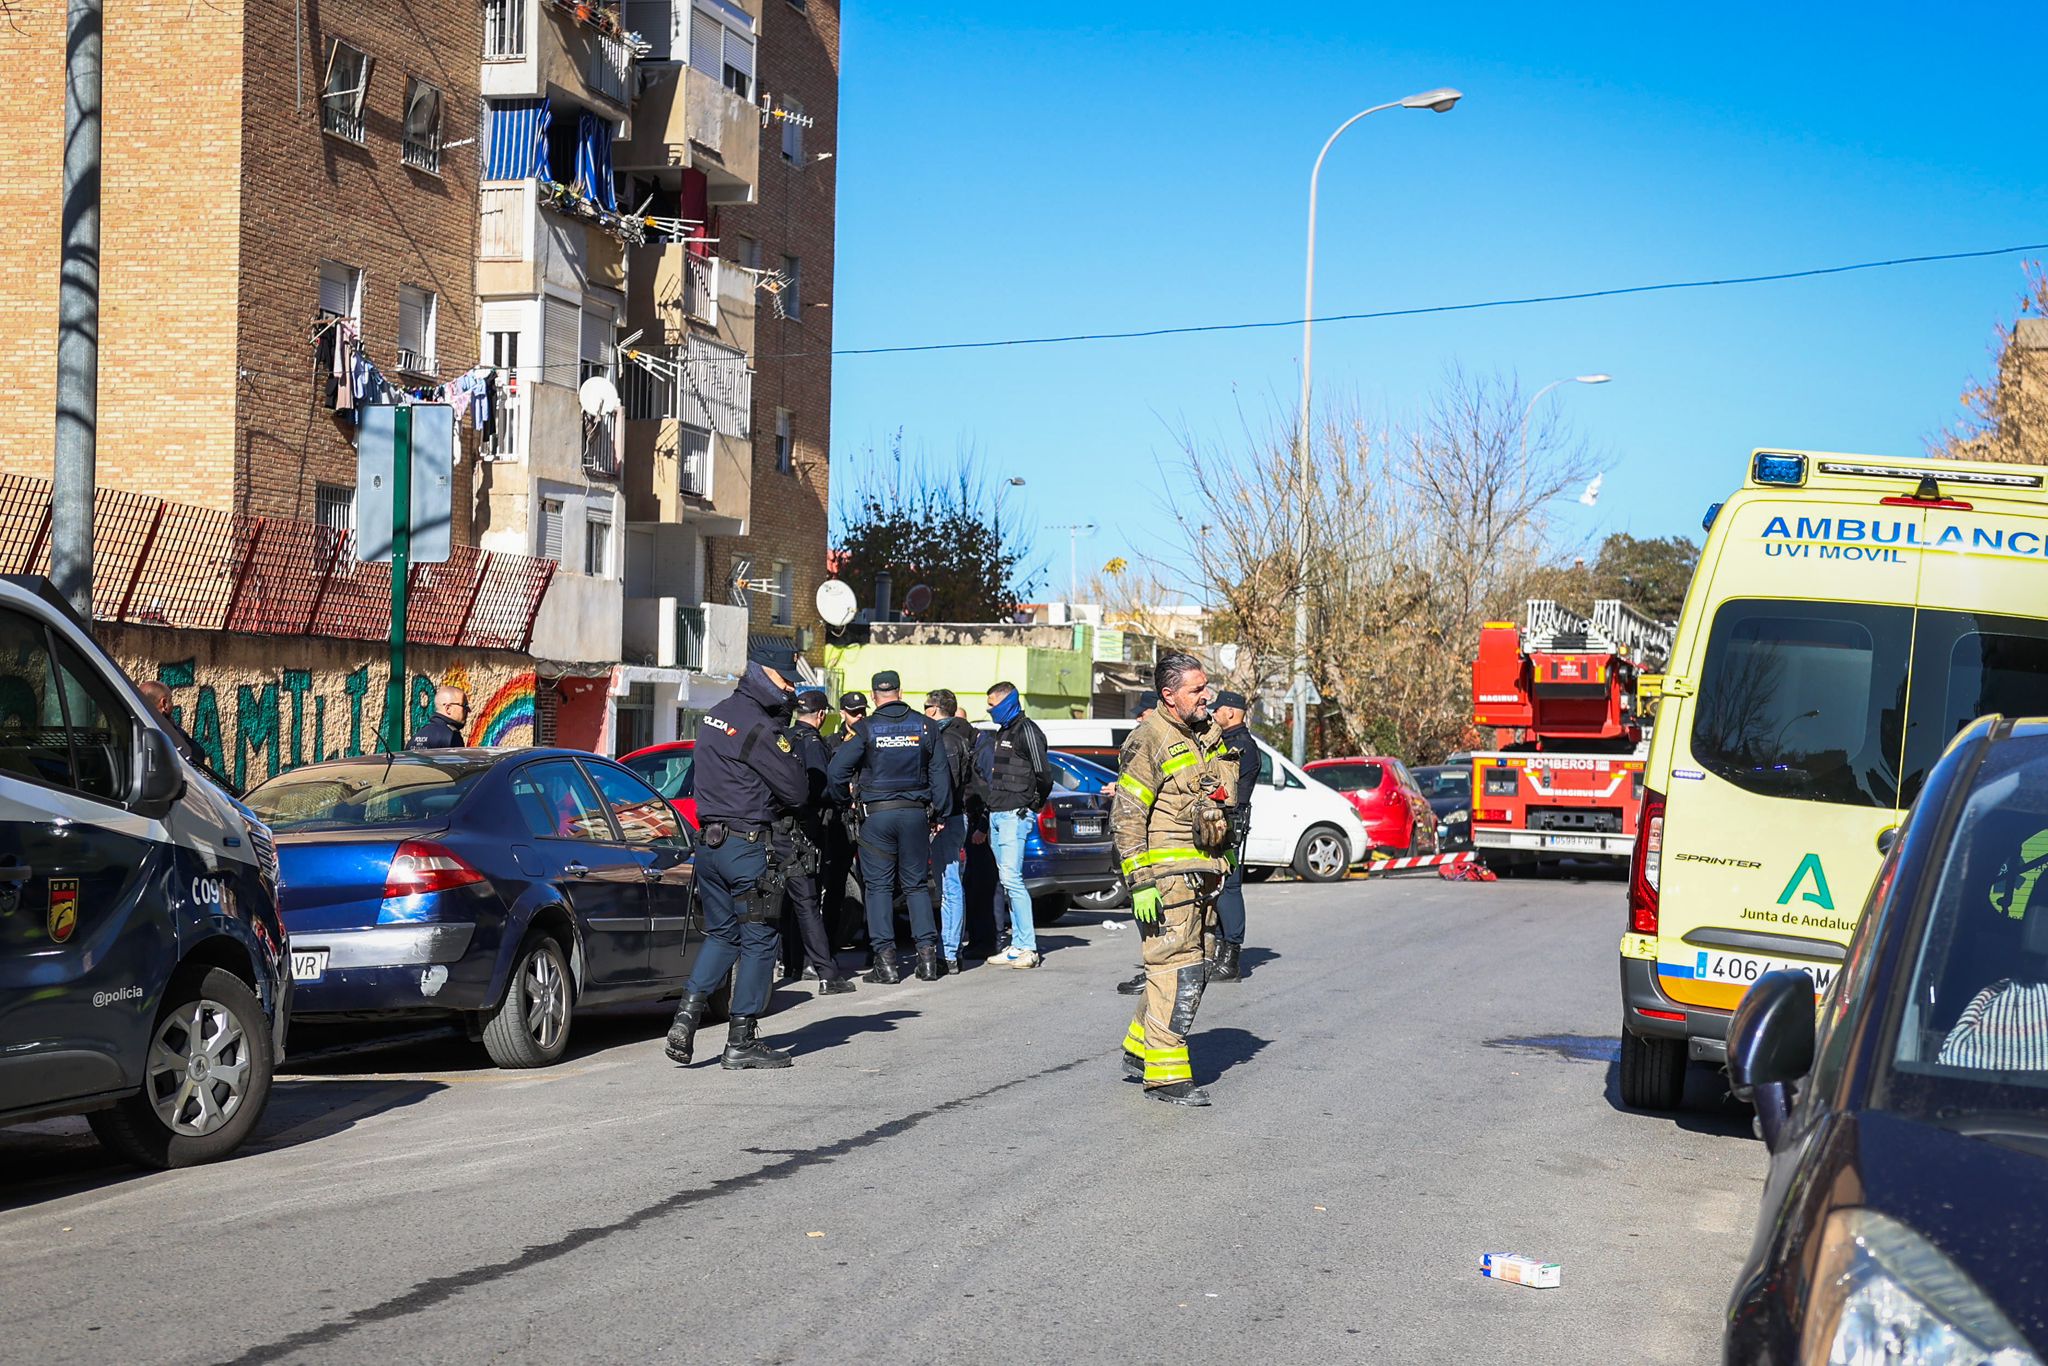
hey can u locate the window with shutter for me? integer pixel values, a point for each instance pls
(597, 544)
(739, 63)
(341, 291)
(550, 530)
(792, 131)
(561, 324)
(707, 44)
(596, 351)
(785, 443)
(791, 299)
(785, 593)
(416, 309)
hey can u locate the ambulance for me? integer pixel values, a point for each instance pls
(1849, 615)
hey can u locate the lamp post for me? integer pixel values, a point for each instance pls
(1439, 100)
(1075, 531)
(1530, 411)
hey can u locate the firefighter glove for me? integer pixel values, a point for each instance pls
(1145, 905)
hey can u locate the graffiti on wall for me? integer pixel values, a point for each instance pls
(252, 728)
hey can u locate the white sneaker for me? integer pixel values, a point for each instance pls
(1007, 958)
(1020, 958)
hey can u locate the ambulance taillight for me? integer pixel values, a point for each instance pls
(1647, 865)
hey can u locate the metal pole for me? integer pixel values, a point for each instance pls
(78, 313)
(1530, 412)
(1073, 578)
(1301, 446)
(401, 573)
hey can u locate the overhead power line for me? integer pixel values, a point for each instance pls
(1522, 301)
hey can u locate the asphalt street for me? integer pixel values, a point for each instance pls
(1414, 1072)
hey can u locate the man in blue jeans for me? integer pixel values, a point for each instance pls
(949, 838)
(1012, 778)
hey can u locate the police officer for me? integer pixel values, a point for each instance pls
(904, 786)
(809, 830)
(841, 831)
(747, 774)
(1231, 711)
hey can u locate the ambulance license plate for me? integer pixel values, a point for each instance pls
(1743, 969)
(308, 965)
(1587, 842)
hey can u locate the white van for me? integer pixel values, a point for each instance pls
(1296, 821)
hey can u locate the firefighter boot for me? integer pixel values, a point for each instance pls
(682, 1034)
(744, 1052)
(1134, 986)
(885, 969)
(1180, 1093)
(1223, 968)
(928, 963)
(1134, 1052)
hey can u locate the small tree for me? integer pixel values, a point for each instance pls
(942, 528)
(2006, 417)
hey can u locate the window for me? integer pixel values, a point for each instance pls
(643, 817)
(421, 148)
(597, 346)
(334, 510)
(417, 310)
(1350, 777)
(341, 98)
(749, 252)
(597, 544)
(722, 45)
(671, 772)
(60, 724)
(644, 395)
(504, 29)
(785, 444)
(549, 538)
(561, 322)
(791, 300)
(696, 462)
(556, 801)
(785, 593)
(341, 291)
(792, 130)
(502, 443)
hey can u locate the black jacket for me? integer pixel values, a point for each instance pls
(956, 737)
(1017, 775)
(1240, 741)
(897, 756)
(812, 748)
(747, 770)
(439, 733)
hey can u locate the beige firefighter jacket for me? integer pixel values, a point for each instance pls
(1169, 772)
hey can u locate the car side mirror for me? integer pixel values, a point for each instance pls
(1770, 1046)
(161, 779)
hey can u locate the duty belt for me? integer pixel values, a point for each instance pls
(894, 804)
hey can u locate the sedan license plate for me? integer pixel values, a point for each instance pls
(308, 964)
(1589, 842)
(1088, 828)
(1743, 969)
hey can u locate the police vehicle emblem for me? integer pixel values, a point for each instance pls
(63, 908)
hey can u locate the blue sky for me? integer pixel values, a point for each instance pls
(1015, 170)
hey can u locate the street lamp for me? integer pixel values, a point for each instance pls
(1075, 531)
(1530, 411)
(1439, 100)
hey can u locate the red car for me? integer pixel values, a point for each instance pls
(1398, 818)
(671, 770)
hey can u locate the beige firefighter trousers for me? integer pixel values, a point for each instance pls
(1175, 973)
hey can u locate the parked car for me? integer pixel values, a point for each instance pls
(510, 888)
(1447, 787)
(1908, 1127)
(142, 961)
(671, 770)
(1070, 856)
(1397, 816)
(1297, 822)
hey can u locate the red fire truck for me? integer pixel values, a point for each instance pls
(1566, 697)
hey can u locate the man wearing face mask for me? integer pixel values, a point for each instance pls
(748, 774)
(1232, 711)
(1172, 824)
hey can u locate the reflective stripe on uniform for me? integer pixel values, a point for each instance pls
(1137, 789)
(1177, 763)
(1168, 1065)
(1134, 1040)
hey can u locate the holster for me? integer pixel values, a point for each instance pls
(805, 857)
(765, 900)
(714, 834)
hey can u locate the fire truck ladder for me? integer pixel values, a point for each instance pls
(1615, 628)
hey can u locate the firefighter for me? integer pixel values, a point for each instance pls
(1172, 823)
(748, 774)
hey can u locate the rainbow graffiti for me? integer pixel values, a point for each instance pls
(507, 719)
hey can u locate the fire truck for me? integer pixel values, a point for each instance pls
(1569, 699)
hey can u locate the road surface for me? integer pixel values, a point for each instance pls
(1413, 1073)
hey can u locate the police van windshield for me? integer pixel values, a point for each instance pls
(1809, 700)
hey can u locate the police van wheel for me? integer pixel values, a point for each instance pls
(1322, 855)
(530, 1027)
(206, 1078)
(1652, 1072)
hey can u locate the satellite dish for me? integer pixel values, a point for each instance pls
(836, 602)
(599, 397)
(917, 599)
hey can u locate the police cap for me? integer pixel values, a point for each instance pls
(1234, 700)
(853, 701)
(810, 700)
(888, 680)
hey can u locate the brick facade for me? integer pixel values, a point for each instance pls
(794, 216)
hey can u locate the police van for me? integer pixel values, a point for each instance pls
(1849, 615)
(1297, 822)
(143, 977)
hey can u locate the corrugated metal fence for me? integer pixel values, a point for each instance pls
(169, 564)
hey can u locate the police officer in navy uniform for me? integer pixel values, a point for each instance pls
(905, 785)
(839, 837)
(818, 960)
(747, 773)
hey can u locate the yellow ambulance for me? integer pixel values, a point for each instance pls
(1849, 615)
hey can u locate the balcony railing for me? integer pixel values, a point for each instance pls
(505, 442)
(700, 288)
(690, 637)
(600, 449)
(421, 154)
(343, 123)
(695, 473)
(415, 362)
(611, 68)
(504, 29)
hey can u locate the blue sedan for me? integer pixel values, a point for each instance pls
(509, 888)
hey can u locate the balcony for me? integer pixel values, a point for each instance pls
(675, 474)
(523, 247)
(685, 118)
(672, 633)
(533, 48)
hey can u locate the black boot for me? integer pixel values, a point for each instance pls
(743, 1051)
(1180, 1093)
(1224, 968)
(885, 969)
(1134, 1066)
(1134, 987)
(834, 986)
(928, 963)
(682, 1034)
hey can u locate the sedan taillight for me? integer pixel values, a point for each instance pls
(1049, 824)
(421, 866)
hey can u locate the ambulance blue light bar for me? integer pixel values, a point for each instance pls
(1788, 470)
